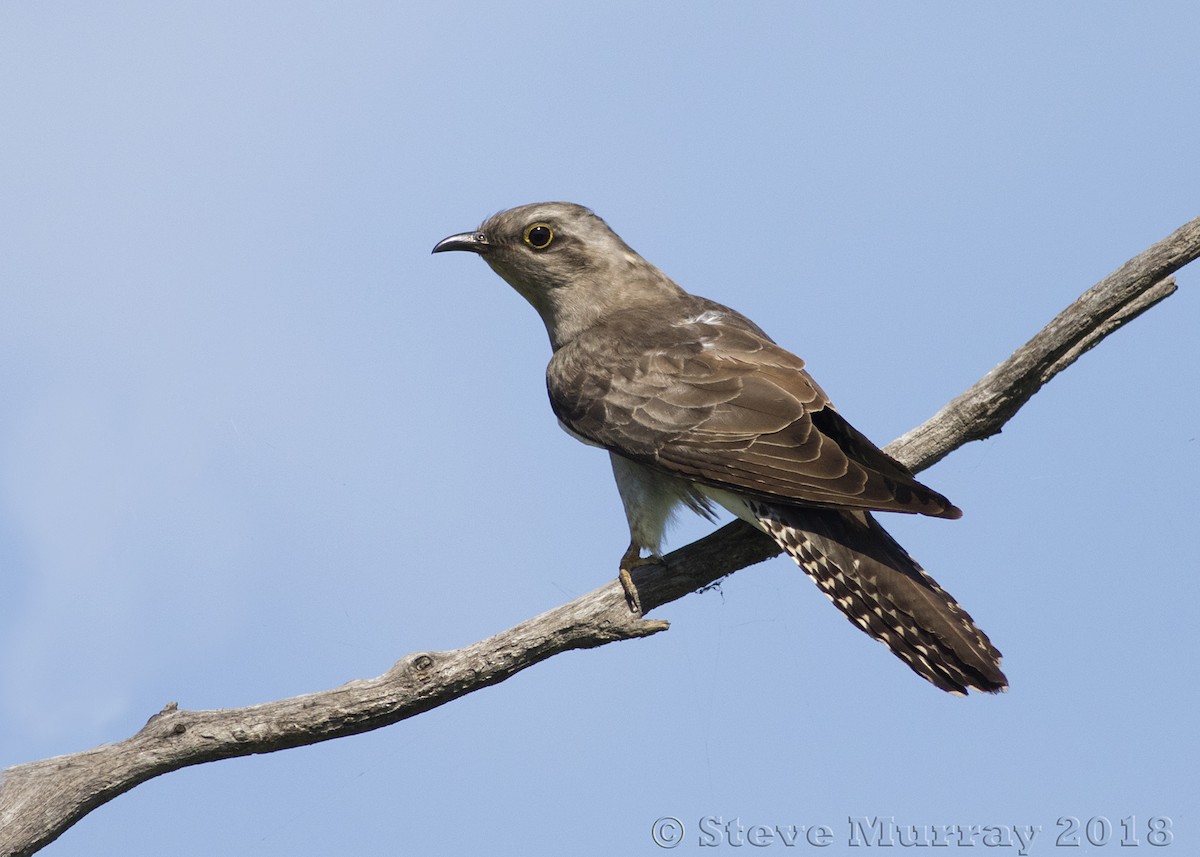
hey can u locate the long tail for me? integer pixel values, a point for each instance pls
(880, 588)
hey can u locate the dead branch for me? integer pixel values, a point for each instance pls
(39, 800)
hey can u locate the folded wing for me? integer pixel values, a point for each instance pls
(713, 399)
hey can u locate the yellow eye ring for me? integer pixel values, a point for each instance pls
(539, 235)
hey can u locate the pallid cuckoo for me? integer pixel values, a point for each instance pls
(699, 408)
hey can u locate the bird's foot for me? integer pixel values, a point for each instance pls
(633, 559)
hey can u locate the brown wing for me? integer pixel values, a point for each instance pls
(707, 396)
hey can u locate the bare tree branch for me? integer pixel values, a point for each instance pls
(40, 800)
(1116, 300)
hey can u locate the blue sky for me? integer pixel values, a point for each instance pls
(256, 441)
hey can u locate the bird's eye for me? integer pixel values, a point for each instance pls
(538, 236)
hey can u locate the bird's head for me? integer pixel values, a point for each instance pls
(566, 262)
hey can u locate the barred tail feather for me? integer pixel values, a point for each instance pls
(880, 588)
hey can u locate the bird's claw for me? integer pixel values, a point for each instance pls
(633, 560)
(631, 593)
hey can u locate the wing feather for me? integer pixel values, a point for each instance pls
(710, 397)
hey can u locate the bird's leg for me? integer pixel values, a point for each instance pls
(633, 559)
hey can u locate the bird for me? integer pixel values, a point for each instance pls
(699, 408)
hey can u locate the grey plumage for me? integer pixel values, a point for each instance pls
(698, 406)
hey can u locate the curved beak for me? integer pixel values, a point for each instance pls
(476, 242)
